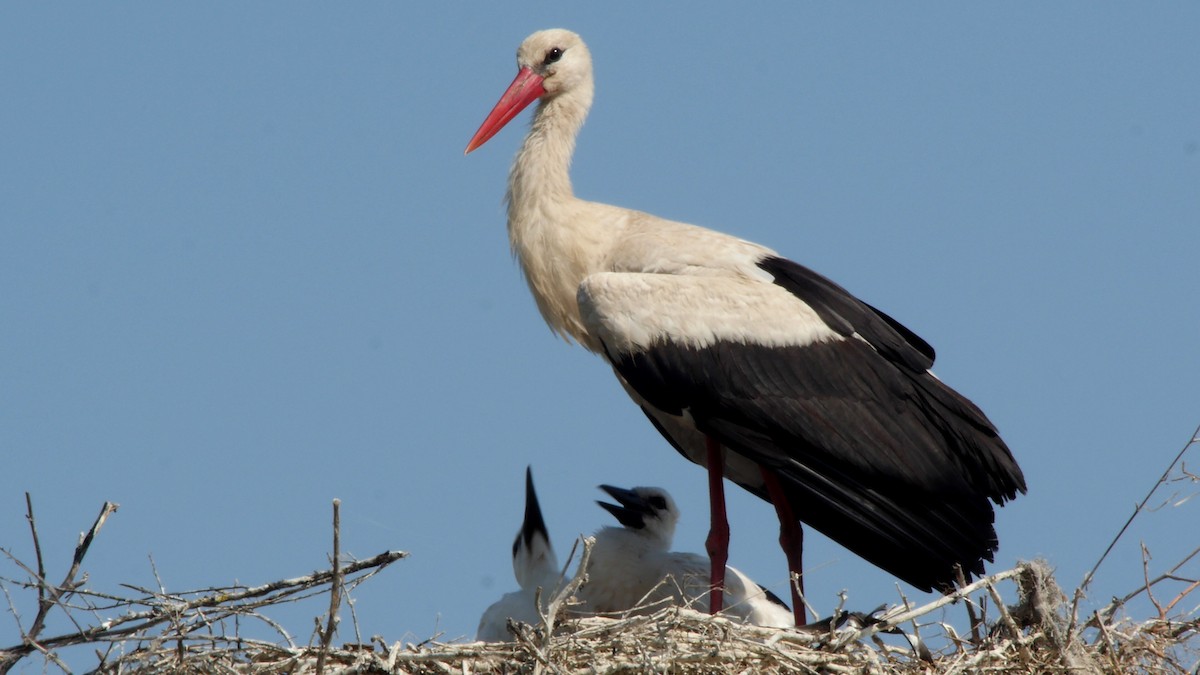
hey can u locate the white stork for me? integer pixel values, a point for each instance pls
(633, 568)
(750, 364)
(534, 565)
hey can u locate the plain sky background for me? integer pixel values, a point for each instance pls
(246, 269)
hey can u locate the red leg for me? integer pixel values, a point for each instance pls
(791, 539)
(717, 543)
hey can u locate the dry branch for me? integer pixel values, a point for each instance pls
(335, 588)
(49, 595)
(243, 601)
(1162, 480)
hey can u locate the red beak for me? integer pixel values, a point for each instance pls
(525, 89)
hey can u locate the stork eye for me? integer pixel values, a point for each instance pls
(551, 56)
(658, 503)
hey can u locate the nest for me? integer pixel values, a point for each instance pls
(975, 629)
(1035, 635)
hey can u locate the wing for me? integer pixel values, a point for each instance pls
(801, 377)
(848, 315)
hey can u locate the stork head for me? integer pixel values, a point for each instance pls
(533, 556)
(648, 510)
(550, 63)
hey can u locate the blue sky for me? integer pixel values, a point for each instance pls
(246, 269)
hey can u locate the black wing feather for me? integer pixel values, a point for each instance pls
(872, 449)
(847, 314)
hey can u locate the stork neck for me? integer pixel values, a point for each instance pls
(632, 543)
(541, 172)
(556, 250)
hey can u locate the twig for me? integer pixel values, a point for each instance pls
(133, 623)
(976, 639)
(50, 656)
(1169, 575)
(1026, 657)
(914, 638)
(550, 616)
(54, 593)
(37, 551)
(1183, 594)
(885, 622)
(1087, 578)
(1146, 579)
(48, 595)
(1108, 641)
(335, 594)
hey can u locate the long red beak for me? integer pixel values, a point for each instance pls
(525, 89)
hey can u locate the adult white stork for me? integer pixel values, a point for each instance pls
(534, 565)
(633, 568)
(750, 364)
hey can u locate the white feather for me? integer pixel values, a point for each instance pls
(634, 570)
(535, 567)
(631, 312)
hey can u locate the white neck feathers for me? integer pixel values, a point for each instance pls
(550, 231)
